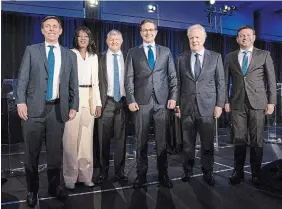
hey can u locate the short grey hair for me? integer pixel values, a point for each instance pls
(114, 32)
(198, 26)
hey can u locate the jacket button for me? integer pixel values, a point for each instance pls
(46, 79)
(45, 91)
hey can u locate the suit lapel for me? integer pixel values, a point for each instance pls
(236, 62)
(158, 54)
(206, 61)
(43, 55)
(63, 59)
(188, 64)
(104, 68)
(252, 63)
(142, 52)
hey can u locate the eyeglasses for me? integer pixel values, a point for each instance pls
(148, 30)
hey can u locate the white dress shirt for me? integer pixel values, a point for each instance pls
(193, 59)
(110, 72)
(84, 68)
(146, 49)
(56, 78)
(241, 56)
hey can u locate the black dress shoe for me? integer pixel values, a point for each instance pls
(139, 182)
(60, 192)
(165, 181)
(236, 178)
(255, 181)
(209, 178)
(31, 199)
(186, 176)
(120, 177)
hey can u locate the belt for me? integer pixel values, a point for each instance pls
(85, 86)
(55, 101)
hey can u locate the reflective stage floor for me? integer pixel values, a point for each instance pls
(192, 195)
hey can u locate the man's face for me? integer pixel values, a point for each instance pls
(196, 39)
(246, 38)
(51, 30)
(114, 42)
(148, 32)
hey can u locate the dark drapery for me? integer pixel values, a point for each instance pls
(20, 30)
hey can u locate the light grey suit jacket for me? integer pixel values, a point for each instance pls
(33, 81)
(260, 70)
(141, 81)
(207, 91)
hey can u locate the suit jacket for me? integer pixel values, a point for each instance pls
(141, 81)
(207, 91)
(33, 81)
(252, 85)
(103, 78)
(94, 97)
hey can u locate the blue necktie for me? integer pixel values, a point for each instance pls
(197, 66)
(151, 59)
(116, 79)
(245, 63)
(51, 67)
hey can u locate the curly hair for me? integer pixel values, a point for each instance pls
(91, 48)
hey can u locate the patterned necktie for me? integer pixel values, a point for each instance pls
(197, 66)
(151, 59)
(245, 63)
(51, 68)
(116, 79)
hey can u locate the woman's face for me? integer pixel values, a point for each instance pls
(83, 39)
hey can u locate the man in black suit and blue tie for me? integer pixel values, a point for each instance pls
(151, 90)
(47, 96)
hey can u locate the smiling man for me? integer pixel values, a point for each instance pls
(249, 69)
(151, 90)
(47, 97)
(201, 81)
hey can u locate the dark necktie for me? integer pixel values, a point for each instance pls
(197, 66)
(151, 59)
(245, 63)
(116, 79)
(51, 68)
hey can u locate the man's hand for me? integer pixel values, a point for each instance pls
(269, 109)
(217, 111)
(227, 107)
(98, 111)
(171, 104)
(22, 111)
(133, 107)
(177, 112)
(72, 114)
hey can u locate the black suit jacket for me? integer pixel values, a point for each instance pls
(208, 90)
(141, 81)
(103, 78)
(260, 71)
(33, 81)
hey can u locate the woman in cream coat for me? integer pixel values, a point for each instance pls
(78, 134)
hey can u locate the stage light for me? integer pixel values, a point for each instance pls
(93, 3)
(212, 2)
(152, 8)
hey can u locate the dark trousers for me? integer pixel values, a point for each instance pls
(50, 127)
(112, 125)
(248, 121)
(143, 117)
(191, 125)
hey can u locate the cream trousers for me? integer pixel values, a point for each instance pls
(78, 143)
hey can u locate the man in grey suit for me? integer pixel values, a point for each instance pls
(248, 69)
(151, 89)
(112, 123)
(202, 90)
(47, 96)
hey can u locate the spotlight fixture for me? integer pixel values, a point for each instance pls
(93, 3)
(152, 8)
(212, 2)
